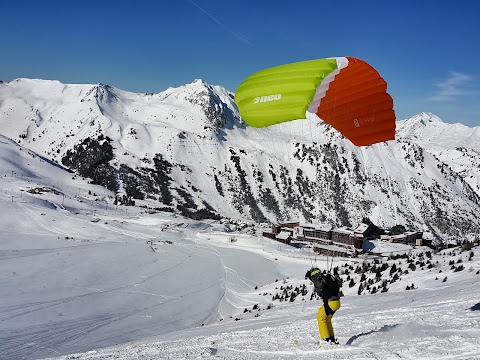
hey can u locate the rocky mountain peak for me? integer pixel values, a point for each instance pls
(187, 150)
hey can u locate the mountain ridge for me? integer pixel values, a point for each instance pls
(187, 149)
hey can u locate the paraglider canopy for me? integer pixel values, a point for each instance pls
(345, 92)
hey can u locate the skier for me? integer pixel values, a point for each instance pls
(327, 287)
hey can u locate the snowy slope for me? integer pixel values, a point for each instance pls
(456, 145)
(51, 117)
(430, 131)
(440, 322)
(78, 273)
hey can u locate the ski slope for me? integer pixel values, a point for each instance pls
(81, 276)
(437, 320)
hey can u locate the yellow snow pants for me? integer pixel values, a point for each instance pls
(325, 320)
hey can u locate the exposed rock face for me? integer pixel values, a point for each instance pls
(187, 150)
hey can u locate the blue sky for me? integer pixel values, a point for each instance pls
(427, 51)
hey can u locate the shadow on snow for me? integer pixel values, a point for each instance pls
(383, 329)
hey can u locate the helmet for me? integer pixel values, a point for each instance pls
(312, 272)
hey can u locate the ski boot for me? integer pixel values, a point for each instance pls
(332, 340)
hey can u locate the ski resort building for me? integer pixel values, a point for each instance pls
(282, 232)
(409, 238)
(342, 241)
(284, 237)
(315, 233)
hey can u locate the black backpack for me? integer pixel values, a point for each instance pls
(333, 283)
(327, 285)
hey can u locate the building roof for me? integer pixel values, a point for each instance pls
(284, 223)
(343, 230)
(333, 248)
(284, 235)
(323, 227)
(361, 228)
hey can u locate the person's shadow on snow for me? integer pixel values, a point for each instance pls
(384, 328)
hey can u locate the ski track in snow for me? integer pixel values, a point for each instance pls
(424, 325)
(434, 322)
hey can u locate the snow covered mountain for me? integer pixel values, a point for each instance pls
(456, 145)
(187, 150)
